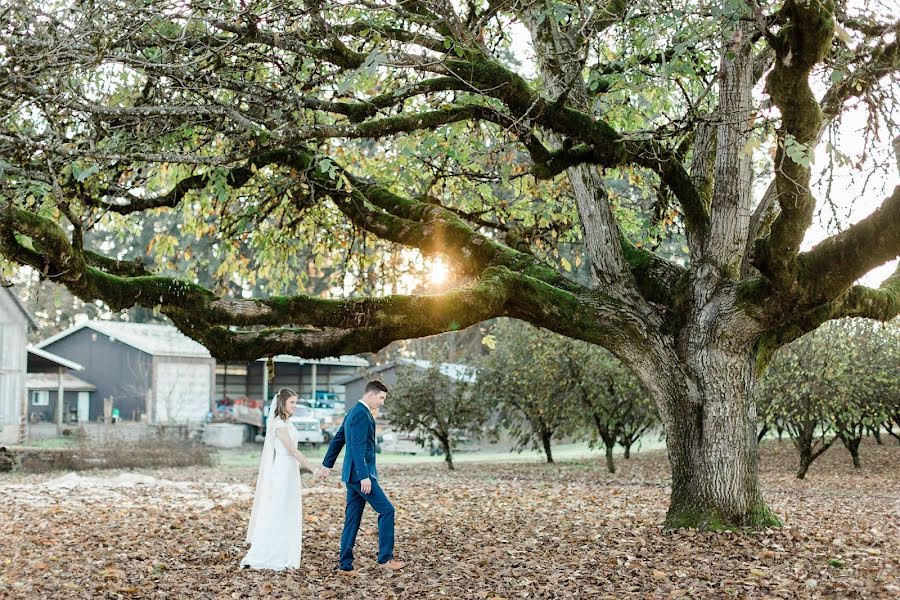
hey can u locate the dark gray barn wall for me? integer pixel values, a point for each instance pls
(287, 375)
(116, 369)
(335, 373)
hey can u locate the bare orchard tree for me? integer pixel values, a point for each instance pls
(419, 124)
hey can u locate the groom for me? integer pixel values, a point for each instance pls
(361, 477)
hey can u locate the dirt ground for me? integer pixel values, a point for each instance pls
(512, 530)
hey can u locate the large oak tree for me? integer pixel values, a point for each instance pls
(259, 115)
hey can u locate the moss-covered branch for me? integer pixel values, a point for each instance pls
(404, 123)
(32, 240)
(801, 43)
(882, 304)
(333, 327)
(657, 279)
(304, 325)
(235, 177)
(827, 270)
(364, 109)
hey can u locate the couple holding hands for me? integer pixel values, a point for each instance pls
(275, 532)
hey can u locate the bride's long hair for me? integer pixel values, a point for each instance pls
(284, 394)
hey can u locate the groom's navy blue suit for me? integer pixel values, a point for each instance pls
(358, 433)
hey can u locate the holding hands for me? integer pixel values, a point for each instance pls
(322, 473)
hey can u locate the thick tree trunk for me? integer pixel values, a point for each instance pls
(713, 451)
(710, 421)
(627, 454)
(703, 375)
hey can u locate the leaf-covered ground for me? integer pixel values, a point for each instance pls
(525, 530)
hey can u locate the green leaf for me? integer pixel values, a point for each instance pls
(81, 175)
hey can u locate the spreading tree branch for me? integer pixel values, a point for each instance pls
(799, 46)
(834, 264)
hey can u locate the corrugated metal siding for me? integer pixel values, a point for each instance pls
(13, 358)
(290, 375)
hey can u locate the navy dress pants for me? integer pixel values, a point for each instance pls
(356, 502)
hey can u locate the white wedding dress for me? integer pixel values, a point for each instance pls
(275, 532)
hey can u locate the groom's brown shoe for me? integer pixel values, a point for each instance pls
(351, 573)
(394, 564)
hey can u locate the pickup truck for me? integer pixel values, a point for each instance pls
(252, 413)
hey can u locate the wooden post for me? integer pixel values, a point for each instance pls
(148, 406)
(107, 416)
(314, 383)
(24, 425)
(60, 397)
(265, 387)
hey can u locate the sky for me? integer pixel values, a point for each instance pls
(849, 195)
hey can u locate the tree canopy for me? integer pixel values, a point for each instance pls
(250, 118)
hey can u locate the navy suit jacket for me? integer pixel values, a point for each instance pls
(357, 432)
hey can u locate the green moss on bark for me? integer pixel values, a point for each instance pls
(759, 516)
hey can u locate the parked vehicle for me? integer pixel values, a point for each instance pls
(310, 430)
(324, 410)
(401, 443)
(249, 411)
(253, 413)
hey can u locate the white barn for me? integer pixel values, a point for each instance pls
(15, 321)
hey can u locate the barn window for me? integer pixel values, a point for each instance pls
(40, 398)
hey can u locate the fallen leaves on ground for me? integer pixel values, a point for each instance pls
(486, 531)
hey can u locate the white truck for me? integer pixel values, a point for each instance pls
(252, 413)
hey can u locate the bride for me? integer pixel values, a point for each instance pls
(275, 532)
